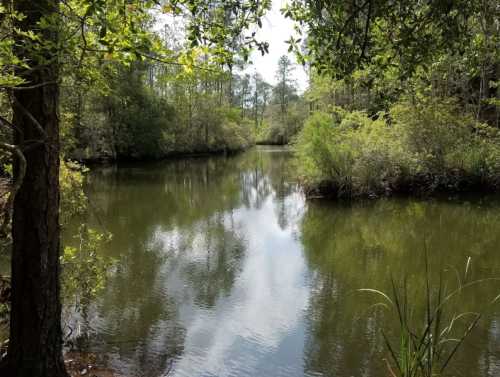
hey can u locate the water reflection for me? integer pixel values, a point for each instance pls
(223, 270)
(199, 245)
(352, 246)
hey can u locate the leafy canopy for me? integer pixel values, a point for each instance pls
(343, 36)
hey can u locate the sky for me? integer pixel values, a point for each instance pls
(276, 29)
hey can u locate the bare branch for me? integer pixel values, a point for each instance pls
(31, 117)
(27, 87)
(31, 144)
(10, 125)
(367, 29)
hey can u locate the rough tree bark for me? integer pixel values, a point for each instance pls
(35, 346)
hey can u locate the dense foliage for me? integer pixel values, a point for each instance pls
(416, 147)
(404, 99)
(287, 110)
(147, 110)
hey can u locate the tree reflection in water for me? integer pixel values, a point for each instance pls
(223, 269)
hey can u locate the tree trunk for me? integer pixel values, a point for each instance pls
(35, 346)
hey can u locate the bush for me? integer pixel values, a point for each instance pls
(348, 153)
(424, 146)
(73, 199)
(232, 131)
(83, 266)
(450, 148)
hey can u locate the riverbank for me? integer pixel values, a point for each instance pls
(86, 364)
(174, 155)
(455, 184)
(417, 149)
(270, 142)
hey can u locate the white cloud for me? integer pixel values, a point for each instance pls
(248, 327)
(276, 29)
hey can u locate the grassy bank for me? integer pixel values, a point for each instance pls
(420, 147)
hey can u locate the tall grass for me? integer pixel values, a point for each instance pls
(427, 343)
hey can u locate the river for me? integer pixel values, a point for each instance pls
(222, 268)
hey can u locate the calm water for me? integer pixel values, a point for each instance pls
(223, 269)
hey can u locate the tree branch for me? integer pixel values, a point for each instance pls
(367, 29)
(16, 152)
(32, 118)
(28, 87)
(154, 58)
(10, 125)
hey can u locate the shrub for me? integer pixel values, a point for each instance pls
(348, 153)
(84, 268)
(73, 199)
(424, 146)
(233, 131)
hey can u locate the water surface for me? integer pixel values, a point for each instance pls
(223, 269)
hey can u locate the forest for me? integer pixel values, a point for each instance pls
(176, 200)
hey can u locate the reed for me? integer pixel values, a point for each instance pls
(427, 342)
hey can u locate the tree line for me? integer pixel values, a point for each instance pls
(149, 110)
(403, 96)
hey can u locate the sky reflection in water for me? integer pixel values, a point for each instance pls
(223, 269)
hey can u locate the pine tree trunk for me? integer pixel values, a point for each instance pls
(35, 346)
